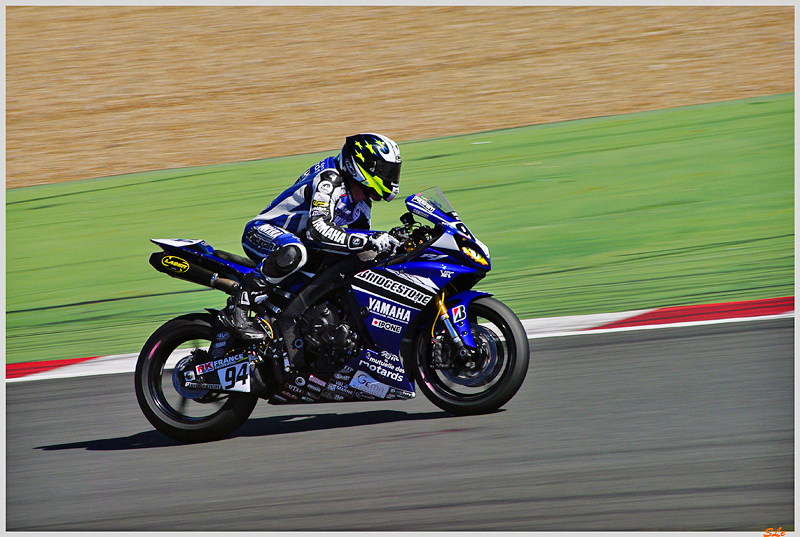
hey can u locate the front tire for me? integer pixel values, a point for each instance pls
(187, 415)
(486, 380)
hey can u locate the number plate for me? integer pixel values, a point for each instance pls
(235, 378)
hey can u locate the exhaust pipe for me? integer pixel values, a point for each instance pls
(178, 267)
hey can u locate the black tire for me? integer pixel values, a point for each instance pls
(499, 367)
(202, 417)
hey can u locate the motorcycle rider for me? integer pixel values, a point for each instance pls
(336, 192)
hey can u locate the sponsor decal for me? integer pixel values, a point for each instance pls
(326, 187)
(312, 396)
(400, 289)
(381, 368)
(300, 381)
(363, 382)
(346, 369)
(314, 388)
(327, 394)
(219, 364)
(277, 397)
(307, 399)
(332, 234)
(270, 231)
(432, 257)
(397, 393)
(419, 212)
(289, 395)
(459, 313)
(202, 386)
(389, 327)
(365, 396)
(338, 386)
(422, 202)
(389, 310)
(317, 381)
(292, 388)
(175, 263)
(447, 273)
(318, 203)
(386, 355)
(339, 376)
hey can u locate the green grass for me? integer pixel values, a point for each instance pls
(673, 207)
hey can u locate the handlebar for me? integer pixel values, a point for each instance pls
(412, 241)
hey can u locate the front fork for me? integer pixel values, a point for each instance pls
(452, 333)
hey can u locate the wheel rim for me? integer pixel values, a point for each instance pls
(483, 373)
(174, 402)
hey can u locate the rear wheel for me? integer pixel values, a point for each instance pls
(485, 379)
(186, 415)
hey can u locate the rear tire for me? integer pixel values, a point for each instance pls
(497, 371)
(194, 415)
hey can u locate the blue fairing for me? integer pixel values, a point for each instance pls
(457, 306)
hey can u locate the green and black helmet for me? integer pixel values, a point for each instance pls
(374, 161)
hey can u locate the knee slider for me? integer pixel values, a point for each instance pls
(283, 261)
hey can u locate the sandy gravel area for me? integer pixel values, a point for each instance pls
(96, 91)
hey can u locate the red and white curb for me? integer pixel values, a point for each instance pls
(753, 310)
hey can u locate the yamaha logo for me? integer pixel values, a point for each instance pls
(389, 310)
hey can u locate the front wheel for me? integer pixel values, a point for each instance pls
(184, 414)
(487, 378)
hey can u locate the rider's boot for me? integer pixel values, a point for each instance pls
(234, 317)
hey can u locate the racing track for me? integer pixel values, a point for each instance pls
(670, 429)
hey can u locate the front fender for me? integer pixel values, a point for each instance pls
(457, 308)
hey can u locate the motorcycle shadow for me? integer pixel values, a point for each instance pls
(258, 427)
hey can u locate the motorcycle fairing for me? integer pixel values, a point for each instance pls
(367, 377)
(439, 273)
(457, 307)
(393, 296)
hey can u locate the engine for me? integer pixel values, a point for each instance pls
(326, 333)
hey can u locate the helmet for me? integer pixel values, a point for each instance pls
(374, 161)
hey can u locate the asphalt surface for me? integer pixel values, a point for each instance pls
(670, 429)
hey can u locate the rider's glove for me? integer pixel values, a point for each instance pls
(382, 242)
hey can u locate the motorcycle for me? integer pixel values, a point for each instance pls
(357, 327)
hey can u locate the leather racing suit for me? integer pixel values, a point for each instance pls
(315, 208)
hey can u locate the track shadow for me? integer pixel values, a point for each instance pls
(289, 424)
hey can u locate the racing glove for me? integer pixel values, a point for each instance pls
(382, 242)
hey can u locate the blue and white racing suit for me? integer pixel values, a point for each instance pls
(314, 209)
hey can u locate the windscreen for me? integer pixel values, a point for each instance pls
(437, 199)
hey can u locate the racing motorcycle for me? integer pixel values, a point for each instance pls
(357, 327)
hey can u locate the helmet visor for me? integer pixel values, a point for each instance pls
(383, 177)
